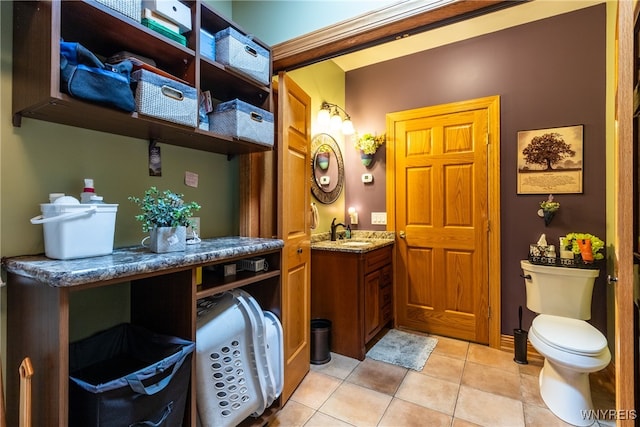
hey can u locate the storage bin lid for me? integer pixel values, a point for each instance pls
(238, 105)
(232, 32)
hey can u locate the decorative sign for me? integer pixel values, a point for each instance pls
(550, 160)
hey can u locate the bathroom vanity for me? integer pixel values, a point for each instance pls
(352, 286)
(164, 289)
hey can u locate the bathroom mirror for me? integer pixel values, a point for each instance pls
(327, 168)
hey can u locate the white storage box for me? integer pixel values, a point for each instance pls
(77, 230)
(173, 10)
(164, 98)
(244, 121)
(242, 54)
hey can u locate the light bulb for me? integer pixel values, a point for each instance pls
(347, 127)
(324, 117)
(336, 121)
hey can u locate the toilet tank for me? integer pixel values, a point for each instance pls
(560, 291)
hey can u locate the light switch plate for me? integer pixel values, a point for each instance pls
(378, 218)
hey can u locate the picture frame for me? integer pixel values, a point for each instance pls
(550, 161)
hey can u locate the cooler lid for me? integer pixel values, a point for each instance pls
(574, 335)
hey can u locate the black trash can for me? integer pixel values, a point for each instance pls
(320, 341)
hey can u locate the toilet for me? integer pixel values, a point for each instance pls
(571, 347)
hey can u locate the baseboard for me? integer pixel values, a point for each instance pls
(506, 344)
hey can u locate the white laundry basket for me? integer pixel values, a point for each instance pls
(235, 378)
(77, 230)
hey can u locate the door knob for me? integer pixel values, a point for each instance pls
(299, 250)
(611, 279)
(401, 234)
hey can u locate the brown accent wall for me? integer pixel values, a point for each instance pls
(549, 73)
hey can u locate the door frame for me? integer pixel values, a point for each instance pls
(492, 105)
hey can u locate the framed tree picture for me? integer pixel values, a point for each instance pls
(550, 160)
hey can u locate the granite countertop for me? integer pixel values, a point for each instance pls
(135, 260)
(360, 242)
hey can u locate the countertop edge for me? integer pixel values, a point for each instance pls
(124, 263)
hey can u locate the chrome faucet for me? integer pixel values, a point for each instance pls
(333, 229)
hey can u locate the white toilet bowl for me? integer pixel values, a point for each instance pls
(571, 348)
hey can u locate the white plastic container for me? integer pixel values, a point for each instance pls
(77, 230)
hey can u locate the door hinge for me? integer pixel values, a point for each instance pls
(488, 226)
(486, 139)
(489, 312)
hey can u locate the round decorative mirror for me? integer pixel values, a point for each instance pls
(327, 168)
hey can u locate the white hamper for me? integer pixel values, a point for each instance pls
(234, 378)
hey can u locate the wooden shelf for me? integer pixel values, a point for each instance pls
(36, 94)
(213, 284)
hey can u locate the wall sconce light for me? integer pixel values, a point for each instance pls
(353, 216)
(329, 116)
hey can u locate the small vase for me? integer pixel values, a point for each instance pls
(365, 158)
(168, 239)
(548, 216)
(323, 160)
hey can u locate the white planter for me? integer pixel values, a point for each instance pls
(168, 239)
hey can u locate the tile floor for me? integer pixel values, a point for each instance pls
(462, 385)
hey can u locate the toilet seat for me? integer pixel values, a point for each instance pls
(569, 335)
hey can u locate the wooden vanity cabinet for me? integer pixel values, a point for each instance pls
(354, 290)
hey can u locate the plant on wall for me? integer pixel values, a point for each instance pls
(368, 144)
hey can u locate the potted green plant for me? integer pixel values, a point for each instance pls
(165, 216)
(368, 144)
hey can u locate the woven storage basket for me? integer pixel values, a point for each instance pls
(244, 121)
(165, 99)
(130, 8)
(242, 54)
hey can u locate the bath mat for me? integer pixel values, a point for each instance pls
(403, 349)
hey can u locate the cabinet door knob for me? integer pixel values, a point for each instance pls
(402, 235)
(299, 250)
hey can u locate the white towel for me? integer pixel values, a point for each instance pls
(314, 216)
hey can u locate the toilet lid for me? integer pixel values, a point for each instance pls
(573, 335)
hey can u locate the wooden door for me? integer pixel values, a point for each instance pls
(441, 208)
(624, 240)
(294, 193)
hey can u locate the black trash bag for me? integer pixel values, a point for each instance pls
(84, 76)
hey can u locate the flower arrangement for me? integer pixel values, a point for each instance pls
(164, 209)
(369, 143)
(572, 242)
(549, 205)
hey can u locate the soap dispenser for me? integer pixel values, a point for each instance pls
(347, 233)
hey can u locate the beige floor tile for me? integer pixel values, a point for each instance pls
(451, 348)
(407, 414)
(378, 376)
(536, 416)
(293, 414)
(530, 390)
(323, 420)
(339, 366)
(315, 389)
(492, 380)
(457, 422)
(429, 392)
(532, 368)
(444, 367)
(356, 405)
(492, 357)
(488, 409)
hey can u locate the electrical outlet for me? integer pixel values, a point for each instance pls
(196, 223)
(378, 218)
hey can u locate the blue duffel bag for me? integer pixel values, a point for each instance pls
(84, 76)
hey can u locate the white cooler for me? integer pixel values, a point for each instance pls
(77, 230)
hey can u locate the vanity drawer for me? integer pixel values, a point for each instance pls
(377, 259)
